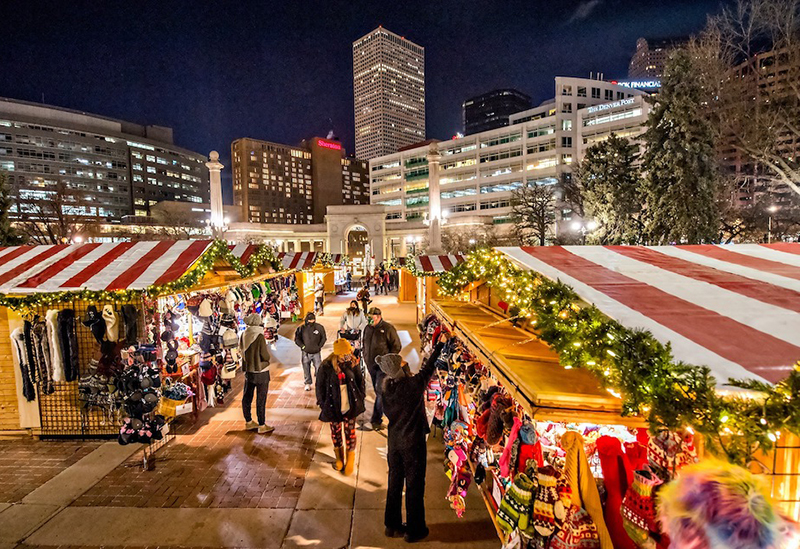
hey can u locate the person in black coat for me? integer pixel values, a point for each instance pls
(340, 396)
(380, 338)
(404, 404)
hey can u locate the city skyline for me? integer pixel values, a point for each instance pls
(190, 70)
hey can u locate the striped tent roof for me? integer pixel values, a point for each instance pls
(437, 263)
(305, 260)
(733, 308)
(244, 251)
(96, 266)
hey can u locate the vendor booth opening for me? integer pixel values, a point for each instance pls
(114, 339)
(577, 384)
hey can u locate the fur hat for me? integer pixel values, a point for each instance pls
(342, 347)
(253, 320)
(205, 308)
(391, 365)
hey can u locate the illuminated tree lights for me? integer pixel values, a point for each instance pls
(217, 251)
(636, 366)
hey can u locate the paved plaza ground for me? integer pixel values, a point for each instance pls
(217, 485)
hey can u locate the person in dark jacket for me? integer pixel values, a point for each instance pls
(404, 403)
(340, 396)
(310, 337)
(380, 338)
(255, 363)
(364, 297)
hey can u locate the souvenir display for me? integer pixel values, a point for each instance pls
(549, 484)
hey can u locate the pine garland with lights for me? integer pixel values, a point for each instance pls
(634, 365)
(411, 266)
(217, 251)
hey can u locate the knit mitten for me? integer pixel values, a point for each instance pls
(564, 502)
(638, 507)
(515, 509)
(544, 513)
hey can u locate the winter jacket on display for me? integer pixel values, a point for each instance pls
(28, 387)
(54, 341)
(404, 405)
(41, 348)
(329, 396)
(254, 352)
(69, 343)
(30, 353)
(310, 337)
(380, 339)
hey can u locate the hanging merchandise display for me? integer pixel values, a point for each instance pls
(546, 483)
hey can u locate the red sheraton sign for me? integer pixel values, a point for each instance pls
(329, 145)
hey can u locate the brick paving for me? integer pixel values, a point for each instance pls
(216, 463)
(27, 464)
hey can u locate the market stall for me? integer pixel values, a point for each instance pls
(135, 330)
(418, 279)
(567, 387)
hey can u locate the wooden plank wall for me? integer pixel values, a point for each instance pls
(9, 408)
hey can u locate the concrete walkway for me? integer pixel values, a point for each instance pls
(256, 491)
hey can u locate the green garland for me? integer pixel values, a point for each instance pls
(636, 366)
(218, 250)
(411, 266)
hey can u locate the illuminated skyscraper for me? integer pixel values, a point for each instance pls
(389, 93)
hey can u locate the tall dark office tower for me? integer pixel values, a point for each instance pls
(650, 57)
(491, 110)
(275, 183)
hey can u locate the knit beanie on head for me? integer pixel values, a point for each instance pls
(342, 347)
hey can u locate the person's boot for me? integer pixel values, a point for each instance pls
(351, 463)
(338, 452)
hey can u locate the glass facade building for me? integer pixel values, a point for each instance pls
(491, 110)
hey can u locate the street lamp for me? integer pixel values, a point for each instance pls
(584, 228)
(412, 240)
(772, 209)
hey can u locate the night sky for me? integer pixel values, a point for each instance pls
(282, 71)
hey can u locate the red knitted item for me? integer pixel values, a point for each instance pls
(618, 476)
(530, 452)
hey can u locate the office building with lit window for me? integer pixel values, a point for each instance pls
(491, 110)
(276, 183)
(389, 93)
(479, 173)
(650, 57)
(102, 167)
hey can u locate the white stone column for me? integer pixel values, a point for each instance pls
(403, 247)
(434, 202)
(217, 215)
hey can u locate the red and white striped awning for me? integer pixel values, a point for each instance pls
(733, 308)
(93, 266)
(437, 263)
(243, 251)
(305, 260)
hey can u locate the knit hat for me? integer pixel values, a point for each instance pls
(547, 506)
(579, 532)
(390, 364)
(311, 317)
(253, 320)
(342, 347)
(205, 308)
(515, 509)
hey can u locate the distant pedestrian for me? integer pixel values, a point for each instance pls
(404, 402)
(386, 280)
(340, 396)
(310, 337)
(319, 297)
(380, 338)
(255, 363)
(364, 297)
(349, 280)
(376, 281)
(367, 279)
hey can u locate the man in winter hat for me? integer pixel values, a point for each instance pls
(255, 363)
(404, 404)
(310, 337)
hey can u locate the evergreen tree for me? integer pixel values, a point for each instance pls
(8, 235)
(679, 163)
(611, 191)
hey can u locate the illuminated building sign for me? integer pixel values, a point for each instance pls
(613, 105)
(329, 145)
(638, 84)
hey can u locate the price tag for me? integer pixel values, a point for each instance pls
(496, 492)
(185, 370)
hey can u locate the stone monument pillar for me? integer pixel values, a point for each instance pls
(434, 202)
(217, 215)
